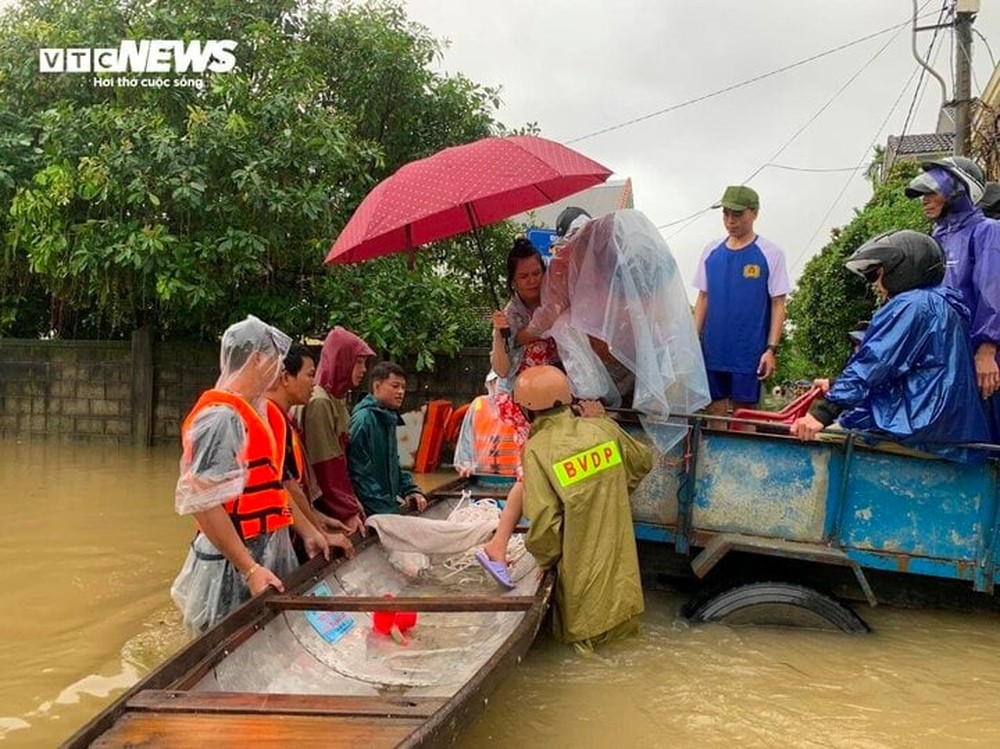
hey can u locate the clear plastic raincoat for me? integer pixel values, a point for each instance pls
(214, 471)
(613, 298)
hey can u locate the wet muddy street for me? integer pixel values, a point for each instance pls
(90, 544)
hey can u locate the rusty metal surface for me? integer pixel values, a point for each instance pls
(761, 486)
(885, 509)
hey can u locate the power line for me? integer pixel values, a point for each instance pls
(933, 61)
(786, 167)
(825, 106)
(951, 60)
(816, 170)
(734, 86)
(682, 220)
(989, 50)
(857, 168)
(967, 54)
(689, 220)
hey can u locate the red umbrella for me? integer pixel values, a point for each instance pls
(461, 189)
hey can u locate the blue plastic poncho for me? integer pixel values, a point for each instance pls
(913, 378)
(971, 244)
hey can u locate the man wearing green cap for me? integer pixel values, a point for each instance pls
(742, 283)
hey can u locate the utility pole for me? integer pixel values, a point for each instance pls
(965, 12)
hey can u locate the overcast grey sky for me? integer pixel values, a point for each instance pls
(578, 67)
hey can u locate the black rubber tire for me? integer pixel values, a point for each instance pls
(777, 604)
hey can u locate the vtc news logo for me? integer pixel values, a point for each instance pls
(142, 56)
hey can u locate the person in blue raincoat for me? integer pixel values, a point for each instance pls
(949, 188)
(912, 379)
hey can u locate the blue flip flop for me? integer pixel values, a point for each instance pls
(496, 570)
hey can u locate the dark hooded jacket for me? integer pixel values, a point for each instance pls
(326, 423)
(373, 458)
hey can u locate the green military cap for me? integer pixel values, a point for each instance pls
(739, 198)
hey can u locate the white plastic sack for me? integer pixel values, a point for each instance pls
(427, 536)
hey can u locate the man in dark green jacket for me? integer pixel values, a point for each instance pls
(372, 455)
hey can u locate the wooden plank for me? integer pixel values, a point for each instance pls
(233, 731)
(418, 603)
(165, 700)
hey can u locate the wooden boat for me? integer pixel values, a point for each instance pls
(305, 668)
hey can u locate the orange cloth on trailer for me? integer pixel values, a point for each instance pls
(432, 438)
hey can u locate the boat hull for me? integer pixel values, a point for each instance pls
(308, 666)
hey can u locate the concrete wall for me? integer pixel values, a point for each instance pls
(137, 393)
(74, 388)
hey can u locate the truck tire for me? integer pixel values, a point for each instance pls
(777, 604)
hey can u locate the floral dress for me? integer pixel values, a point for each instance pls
(533, 354)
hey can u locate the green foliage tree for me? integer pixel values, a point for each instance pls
(448, 309)
(187, 208)
(873, 171)
(829, 300)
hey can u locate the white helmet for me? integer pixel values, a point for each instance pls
(965, 170)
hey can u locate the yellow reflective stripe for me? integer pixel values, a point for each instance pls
(587, 463)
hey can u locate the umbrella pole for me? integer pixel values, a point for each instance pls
(478, 239)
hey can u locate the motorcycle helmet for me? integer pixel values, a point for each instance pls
(966, 171)
(908, 260)
(570, 219)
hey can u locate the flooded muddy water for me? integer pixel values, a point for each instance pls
(90, 544)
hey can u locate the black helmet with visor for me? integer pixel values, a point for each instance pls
(908, 260)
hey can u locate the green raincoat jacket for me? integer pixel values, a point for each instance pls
(577, 477)
(373, 458)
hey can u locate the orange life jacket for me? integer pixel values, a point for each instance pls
(263, 505)
(279, 428)
(496, 452)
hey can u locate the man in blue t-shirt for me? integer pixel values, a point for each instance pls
(740, 311)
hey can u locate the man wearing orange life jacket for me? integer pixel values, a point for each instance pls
(230, 481)
(293, 388)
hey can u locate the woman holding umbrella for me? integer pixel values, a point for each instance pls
(525, 271)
